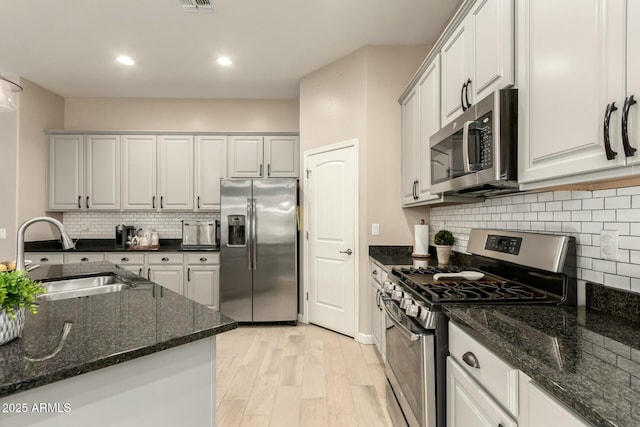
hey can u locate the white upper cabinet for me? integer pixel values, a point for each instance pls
(632, 110)
(572, 74)
(263, 157)
(139, 178)
(175, 172)
(281, 155)
(210, 167)
(410, 140)
(245, 157)
(65, 172)
(478, 56)
(102, 172)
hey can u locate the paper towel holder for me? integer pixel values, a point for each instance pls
(421, 241)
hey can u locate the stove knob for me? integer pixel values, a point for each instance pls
(397, 295)
(412, 310)
(405, 302)
(389, 287)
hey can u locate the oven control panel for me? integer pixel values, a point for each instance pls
(505, 244)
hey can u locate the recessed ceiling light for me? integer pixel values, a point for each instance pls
(224, 60)
(125, 60)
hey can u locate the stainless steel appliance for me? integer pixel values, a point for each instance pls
(477, 154)
(518, 268)
(200, 235)
(258, 249)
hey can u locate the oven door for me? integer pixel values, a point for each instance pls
(410, 366)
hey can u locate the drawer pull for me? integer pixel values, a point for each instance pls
(85, 259)
(203, 259)
(44, 259)
(125, 259)
(471, 360)
(165, 259)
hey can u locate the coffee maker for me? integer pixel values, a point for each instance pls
(123, 234)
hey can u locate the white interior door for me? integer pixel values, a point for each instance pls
(331, 201)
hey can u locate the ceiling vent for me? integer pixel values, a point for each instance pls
(196, 5)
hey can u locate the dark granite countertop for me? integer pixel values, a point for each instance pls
(106, 329)
(390, 256)
(106, 245)
(587, 359)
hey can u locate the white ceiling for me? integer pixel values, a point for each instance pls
(69, 46)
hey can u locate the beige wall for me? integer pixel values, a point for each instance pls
(195, 115)
(356, 97)
(23, 147)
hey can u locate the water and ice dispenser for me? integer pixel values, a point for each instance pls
(237, 230)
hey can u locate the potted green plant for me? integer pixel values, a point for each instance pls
(17, 293)
(443, 241)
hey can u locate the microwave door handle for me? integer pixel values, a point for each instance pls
(465, 146)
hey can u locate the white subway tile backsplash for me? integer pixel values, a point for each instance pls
(582, 214)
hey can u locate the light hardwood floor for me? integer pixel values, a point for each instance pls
(301, 375)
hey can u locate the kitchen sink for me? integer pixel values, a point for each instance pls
(83, 286)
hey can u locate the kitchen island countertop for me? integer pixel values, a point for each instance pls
(106, 329)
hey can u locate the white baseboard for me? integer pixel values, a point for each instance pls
(302, 318)
(364, 338)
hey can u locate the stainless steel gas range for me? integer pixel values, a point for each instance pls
(502, 267)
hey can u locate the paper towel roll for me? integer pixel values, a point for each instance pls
(421, 244)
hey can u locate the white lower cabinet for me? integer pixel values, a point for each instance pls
(76, 257)
(168, 276)
(378, 316)
(203, 285)
(45, 258)
(127, 261)
(468, 404)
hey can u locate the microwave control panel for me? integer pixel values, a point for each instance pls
(485, 142)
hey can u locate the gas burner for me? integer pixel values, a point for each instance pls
(430, 270)
(482, 291)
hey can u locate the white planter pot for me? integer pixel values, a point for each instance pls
(11, 329)
(444, 254)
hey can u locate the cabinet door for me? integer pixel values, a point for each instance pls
(72, 258)
(65, 172)
(139, 172)
(469, 405)
(102, 172)
(543, 411)
(134, 268)
(566, 87)
(456, 56)
(633, 76)
(281, 156)
(244, 155)
(203, 284)
(376, 331)
(169, 276)
(410, 140)
(176, 173)
(429, 93)
(492, 22)
(211, 166)
(45, 258)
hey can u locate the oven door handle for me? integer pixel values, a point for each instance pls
(465, 146)
(411, 335)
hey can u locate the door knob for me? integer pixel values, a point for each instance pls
(348, 252)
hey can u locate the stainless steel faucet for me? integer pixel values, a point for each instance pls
(67, 243)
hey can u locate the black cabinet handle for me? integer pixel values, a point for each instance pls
(153, 202)
(140, 272)
(471, 360)
(415, 189)
(149, 274)
(188, 274)
(84, 259)
(261, 170)
(161, 202)
(79, 201)
(44, 259)
(628, 149)
(462, 97)
(87, 202)
(125, 259)
(466, 93)
(165, 259)
(198, 202)
(607, 143)
(268, 169)
(203, 259)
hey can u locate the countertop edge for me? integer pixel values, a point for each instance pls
(114, 359)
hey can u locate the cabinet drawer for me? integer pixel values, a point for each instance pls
(203, 258)
(125, 258)
(495, 375)
(378, 273)
(83, 257)
(165, 258)
(45, 258)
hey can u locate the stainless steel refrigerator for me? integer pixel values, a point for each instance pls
(258, 249)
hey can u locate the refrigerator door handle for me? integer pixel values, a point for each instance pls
(254, 234)
(249, 237)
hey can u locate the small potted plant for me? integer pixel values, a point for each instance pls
(443, 241)
(17, 293)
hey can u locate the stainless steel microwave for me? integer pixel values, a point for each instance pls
(477, 154)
